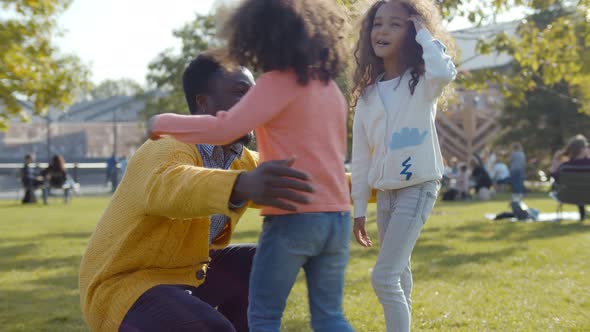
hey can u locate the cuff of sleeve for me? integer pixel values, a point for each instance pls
(154, 126)
(360, 208)
(424, 36)
(219, 199)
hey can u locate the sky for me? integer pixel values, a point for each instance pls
(119, 38)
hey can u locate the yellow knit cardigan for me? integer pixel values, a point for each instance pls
(156, 229)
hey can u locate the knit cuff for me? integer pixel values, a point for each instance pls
(218, 199)
(360, 208)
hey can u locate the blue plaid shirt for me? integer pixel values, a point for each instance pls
(214, 157)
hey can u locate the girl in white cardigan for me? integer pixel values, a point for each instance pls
(401, 72)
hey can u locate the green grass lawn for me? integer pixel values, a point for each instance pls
(470, 274)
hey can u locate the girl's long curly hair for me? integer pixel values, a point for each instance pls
(369, 66)
(303, 35)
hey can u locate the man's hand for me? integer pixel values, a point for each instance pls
(273, 183)
(360, 233)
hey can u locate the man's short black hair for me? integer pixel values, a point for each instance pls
(197, 77)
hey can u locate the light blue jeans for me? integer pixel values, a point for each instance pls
(517, 177)
(318, 243)
(401, 214)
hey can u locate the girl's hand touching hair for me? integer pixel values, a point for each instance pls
(418, 22)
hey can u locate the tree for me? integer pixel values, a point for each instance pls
(31, 67)
(552, 112)
(165, 72)
(550, 47)
(121, 87)
(544, 124)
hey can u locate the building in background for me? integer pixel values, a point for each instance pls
(470, 121)
(89, 130)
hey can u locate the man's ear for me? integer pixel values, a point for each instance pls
(202, 103)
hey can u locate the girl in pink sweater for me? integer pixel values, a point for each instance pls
(297, 110)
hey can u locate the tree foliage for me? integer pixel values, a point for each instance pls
(544, 124)
(550, 47)
(165, 72)
(555, 107)
(31, 67)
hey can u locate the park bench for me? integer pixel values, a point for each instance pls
(67, 187)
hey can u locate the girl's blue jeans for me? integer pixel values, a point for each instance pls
(318, 243)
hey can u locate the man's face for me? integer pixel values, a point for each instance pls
(227, 88)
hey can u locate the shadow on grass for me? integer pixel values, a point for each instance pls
(356, 251)
(69, 281)
(430, 229)
(8, 253)
(438, 256)
(46, 303)
(49, 236)
(547, 230)
(499, 197)
(429, 250)
(485, 231)
(509, 231)
(66, 235)
(38, 310)
(446, 265)
(452, 261)
(5, 204)
(8, 263)
(14, 205)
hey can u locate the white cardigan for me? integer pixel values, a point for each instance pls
(396, 146)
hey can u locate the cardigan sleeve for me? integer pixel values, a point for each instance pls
(439, 67)
(175, 186)
(361, 163)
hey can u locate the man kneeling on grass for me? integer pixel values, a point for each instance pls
(159, 258)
